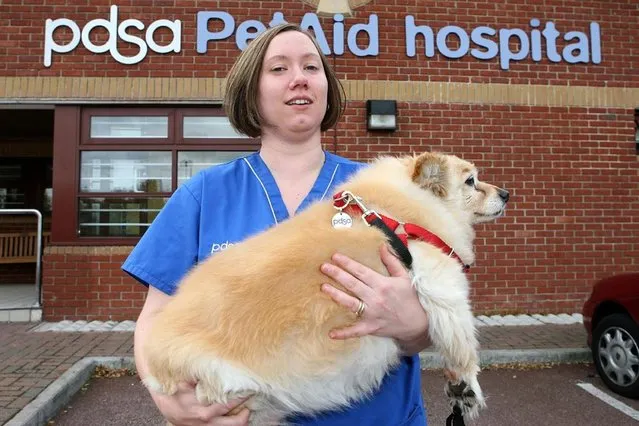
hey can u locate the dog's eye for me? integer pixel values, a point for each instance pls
(470, 181)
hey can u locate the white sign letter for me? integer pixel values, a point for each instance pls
(52, 46)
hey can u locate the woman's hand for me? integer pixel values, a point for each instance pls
(392, 308)
(183, 409)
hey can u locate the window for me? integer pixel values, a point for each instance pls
(126, 163)
(120, 172)
(12, 195)
(208, 128)
(191, 162)
(128, 127)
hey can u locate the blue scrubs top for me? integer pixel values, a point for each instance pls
(227, 203)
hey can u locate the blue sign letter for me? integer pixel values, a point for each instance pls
(203, 34)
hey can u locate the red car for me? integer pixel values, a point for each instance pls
(611, 318)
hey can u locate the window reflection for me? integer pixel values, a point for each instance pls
(191, 162)
(129, 127)
(47, 200)
(125, 171)
(117, 217)
(12, 194)
(209, 128)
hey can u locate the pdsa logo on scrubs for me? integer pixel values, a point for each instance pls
(220, 246)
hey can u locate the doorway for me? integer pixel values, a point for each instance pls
(26, 159)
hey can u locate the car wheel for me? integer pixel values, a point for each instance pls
(615, 350)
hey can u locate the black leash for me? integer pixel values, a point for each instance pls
(456, 418)
(456, 392)
(395, 242)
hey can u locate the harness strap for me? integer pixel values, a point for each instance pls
(398, 241)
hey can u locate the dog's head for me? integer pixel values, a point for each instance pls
(455, 181)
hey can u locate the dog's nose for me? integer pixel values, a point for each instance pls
(503, 194)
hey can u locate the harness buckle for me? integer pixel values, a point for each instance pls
(346, 198)
(366, 211)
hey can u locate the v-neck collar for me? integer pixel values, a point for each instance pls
(272, 191)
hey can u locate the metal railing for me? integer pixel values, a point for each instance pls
(38, 274)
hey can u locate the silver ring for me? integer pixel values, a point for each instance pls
(360, 309)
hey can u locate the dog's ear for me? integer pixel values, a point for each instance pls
(430, 173)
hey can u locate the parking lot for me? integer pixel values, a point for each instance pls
(537, 395)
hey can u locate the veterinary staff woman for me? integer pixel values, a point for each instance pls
(282, 90)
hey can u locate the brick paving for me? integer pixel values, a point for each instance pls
(30, 361)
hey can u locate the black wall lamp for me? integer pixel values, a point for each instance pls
(381, 115)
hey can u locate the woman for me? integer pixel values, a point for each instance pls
(281, 89)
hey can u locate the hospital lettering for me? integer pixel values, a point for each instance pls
(490, 43)
(536, 42)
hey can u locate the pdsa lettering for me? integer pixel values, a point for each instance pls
(115, 31)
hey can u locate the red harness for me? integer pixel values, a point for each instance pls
(348, 203)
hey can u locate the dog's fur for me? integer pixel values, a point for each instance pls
(252, 320)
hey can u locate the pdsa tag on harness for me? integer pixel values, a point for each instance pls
(341, 220)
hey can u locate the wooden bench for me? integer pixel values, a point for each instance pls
(20, 247)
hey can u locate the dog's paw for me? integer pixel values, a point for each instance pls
(207, 395)
(154, 385)
(467, 397)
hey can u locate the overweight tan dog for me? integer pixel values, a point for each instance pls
(252, 320)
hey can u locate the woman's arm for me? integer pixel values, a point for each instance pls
(155, 301)
(416, 345)
(182, 408)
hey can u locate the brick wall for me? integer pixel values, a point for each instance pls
(572, 173)
(559, 136)
(86, 283)
(571, 219)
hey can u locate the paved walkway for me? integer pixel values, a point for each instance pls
(30, 361)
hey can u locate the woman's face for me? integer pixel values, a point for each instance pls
(293, 88)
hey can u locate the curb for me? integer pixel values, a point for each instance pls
(432, 360)
(480, 321)
(59, 393)
(51, 400)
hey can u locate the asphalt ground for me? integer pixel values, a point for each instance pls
(121, 401)
(544, 394)
(534, 395)
(38, 369)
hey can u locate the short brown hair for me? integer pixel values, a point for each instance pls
(242, 85)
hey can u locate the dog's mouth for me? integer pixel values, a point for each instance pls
(490, 216)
